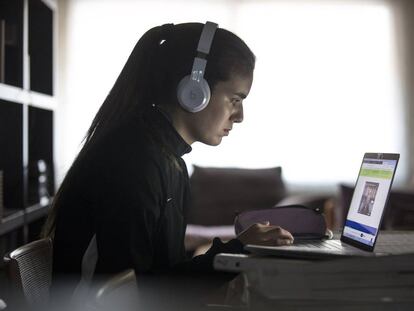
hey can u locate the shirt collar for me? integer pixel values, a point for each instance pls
(172, 138)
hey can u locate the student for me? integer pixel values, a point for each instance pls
(123, 202)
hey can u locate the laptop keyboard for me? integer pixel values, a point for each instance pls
(390, 243)
(328, 244)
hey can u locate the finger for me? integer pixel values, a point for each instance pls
(278, 232)
(276, 236)
(288, 235)
(275, 242)
(283, 241)
(270, 228)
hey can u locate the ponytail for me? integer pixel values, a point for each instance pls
(132, 89)
(131, 93)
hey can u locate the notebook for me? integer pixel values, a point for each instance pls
(361, 228)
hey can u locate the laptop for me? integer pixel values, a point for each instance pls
(361, 229)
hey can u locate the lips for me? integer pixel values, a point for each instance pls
(226, 132)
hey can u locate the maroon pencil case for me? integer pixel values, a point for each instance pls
(301, 221)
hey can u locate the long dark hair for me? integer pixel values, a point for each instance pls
(159, 60)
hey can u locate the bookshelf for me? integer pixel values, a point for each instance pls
(27, 107)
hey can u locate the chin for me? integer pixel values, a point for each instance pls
(213, 142)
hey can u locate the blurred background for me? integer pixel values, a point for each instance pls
(333, 80)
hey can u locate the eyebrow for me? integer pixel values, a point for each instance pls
(241, 95)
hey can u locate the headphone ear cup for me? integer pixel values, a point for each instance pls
(193, 95)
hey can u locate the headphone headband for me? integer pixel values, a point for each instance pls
(206, 37)
(204, 45)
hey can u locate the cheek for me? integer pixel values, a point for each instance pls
(216, 118)
(218, 110)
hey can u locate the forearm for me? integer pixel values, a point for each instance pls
(204, 263)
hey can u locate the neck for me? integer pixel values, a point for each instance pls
(180, 126)
(177, 120)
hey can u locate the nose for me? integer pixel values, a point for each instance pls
(237, 116)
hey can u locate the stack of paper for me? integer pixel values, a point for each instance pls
(387, 279)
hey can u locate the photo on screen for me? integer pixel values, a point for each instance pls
(368, 198)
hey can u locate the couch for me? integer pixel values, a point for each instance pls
(219, 194)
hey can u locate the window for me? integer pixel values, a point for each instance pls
(326, 85)
(326, 89)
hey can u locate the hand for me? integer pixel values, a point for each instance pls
(265, 234)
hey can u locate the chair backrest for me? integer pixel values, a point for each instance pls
(29, 269)
(114, 283)
(119, 290)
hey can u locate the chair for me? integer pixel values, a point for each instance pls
(115, 283)
(119, 290)
(29, 269)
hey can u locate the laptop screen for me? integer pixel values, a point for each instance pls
(370, 197)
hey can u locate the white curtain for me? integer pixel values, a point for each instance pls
(327, 89)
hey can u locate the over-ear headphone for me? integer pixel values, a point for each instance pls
(193, 91)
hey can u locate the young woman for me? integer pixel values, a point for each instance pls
(124, 200)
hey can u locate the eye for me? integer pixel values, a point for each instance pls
(236, 100)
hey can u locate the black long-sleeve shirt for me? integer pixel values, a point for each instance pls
(131, 189)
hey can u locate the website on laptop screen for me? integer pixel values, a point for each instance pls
(368, 201)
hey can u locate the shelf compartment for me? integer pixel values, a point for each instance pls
(40, 149)
(15, 218)
(11, 13)
(11, 155)
(41, 47)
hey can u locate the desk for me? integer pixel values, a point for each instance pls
(276, 284)
(380, 283)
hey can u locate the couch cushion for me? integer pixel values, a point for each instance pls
(219, 194)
